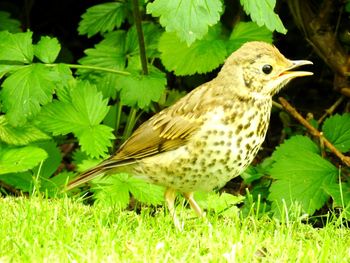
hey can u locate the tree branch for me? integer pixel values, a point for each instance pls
(313, 131)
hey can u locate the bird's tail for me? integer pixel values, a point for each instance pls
(86, 176)
(96, 171)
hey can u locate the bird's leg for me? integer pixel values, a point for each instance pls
(170, 195)
(193, 204)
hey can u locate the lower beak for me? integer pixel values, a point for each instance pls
(296, 64)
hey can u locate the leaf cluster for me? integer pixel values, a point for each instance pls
(58, 118)
(302, 173)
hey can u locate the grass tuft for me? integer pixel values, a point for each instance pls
(62, 230)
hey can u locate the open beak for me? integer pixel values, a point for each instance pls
(296, 64)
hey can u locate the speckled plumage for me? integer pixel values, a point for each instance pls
(210, 135)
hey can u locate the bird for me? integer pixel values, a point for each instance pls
(210, 135)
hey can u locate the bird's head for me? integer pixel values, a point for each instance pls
(261, 69)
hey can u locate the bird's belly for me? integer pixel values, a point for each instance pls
(215, 155)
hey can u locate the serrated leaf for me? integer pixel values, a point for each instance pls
(20, 135)
(47, 49)
(115, 190)
(60, 118)
(86, 108)
(189, 20)
(96, 140)
(104, 56)
(102, 18)
(53, 186)
(292, 146)
(262, 12)
(112, 190)
(247, 31)
(26, 90)
(9, 24)
(16, 47)
(337, 130)
(202, 56)
(22, 181)
(7, 68)
(89, 103)
(145, 192)
(51, 163)
(151, 33)
(140, 90)
(339, 193)
(300, 178)
(13, 160)
(80, 113)
(219, 203)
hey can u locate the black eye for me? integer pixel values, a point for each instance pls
(267, 69)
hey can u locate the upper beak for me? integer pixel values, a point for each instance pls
(296, 64)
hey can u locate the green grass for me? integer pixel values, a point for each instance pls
(62, 230)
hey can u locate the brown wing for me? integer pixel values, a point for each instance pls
(167, 130)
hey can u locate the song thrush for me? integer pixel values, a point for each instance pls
(210, 135)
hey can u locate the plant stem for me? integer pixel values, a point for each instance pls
(137, 17)
(120, 72)
(130, 123)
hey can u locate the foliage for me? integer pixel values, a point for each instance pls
(58, 118)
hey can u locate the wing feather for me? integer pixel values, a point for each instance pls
(167, 130)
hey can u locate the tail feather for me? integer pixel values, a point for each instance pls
(86, 177)
(96, 171)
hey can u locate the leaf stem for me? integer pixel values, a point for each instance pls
(76, 66)
(137, 17)
(130, 123)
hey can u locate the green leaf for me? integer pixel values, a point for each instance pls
(151, 32)
(96, 140)
(300, 178)
(80, 113)
(20, 135)
(115, 190)
(22, 181)
(9, 24)
(112, 190)
(52, 162)
(89, 103)
(16, 47)
(102, 18)
(224, 204)
(337, 130)
(189, 20)
(293, 145)
(262, 12)
(13, 160)
(145, 192)
(53, 186)
(340, 194)
(202, 56)
(140, 90)
(60, 118)
(6, 68)
(26, 90)
(253, 173)
(112, 57)
(248, 31)
(47, 49)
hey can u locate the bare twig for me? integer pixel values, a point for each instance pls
(314, 131)
(331, 109)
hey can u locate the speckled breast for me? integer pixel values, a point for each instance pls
(223, 147)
